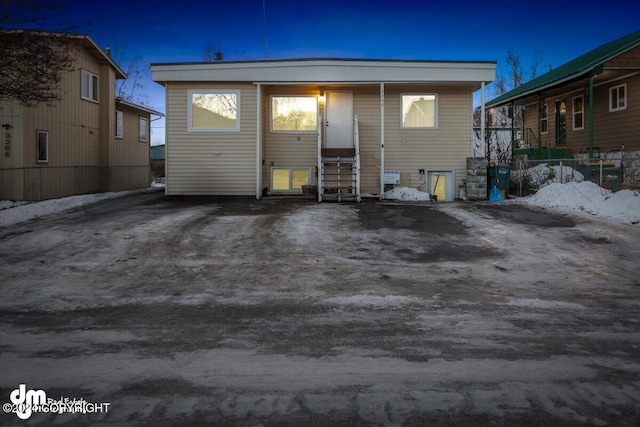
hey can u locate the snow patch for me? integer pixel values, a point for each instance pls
(543, 175)
(406, 193)
(589, 197)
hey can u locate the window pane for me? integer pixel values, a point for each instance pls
(43, 146)
(614, 98)
(119, 124)
(280, 179)
(418, 111)
(577, 105)
(294, 113)
(214, 110)
(300, 177)
(144, 136)
(621, 97)
(94, 92)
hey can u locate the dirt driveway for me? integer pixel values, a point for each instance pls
(198, 312)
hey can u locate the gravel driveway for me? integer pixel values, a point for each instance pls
(284, 311)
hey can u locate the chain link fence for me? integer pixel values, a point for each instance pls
(614, 173)
(49, 182)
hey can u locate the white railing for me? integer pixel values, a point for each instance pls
(320, 167)
(356, 145)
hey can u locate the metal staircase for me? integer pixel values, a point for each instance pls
(339, 171)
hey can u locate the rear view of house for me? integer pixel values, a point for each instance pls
(89, 141)
(343, 127)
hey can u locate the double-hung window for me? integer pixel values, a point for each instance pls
(618, 98)
(144, 130)
(578, 113)
(42, 146)
(419, 111)
(89, 86)
(294, 113)
(119, 124)
(213, 110)
(544, 119)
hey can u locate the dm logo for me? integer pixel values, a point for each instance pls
(26, 400)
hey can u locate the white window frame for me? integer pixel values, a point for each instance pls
(291, 169)
(190, 94)
(89, 86)
(119, 124)
(575, 113)
(143, 124)
(616, 90)
(293, 131)
(545, 108)
(38, 133)
(435, 111)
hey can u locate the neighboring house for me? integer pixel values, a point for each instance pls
(345, 127)
(157, 160)
(87, 142)
(588, 106)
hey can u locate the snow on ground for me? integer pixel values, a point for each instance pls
(406, 193)
(583, 196)
(16, 212)
(589, 197)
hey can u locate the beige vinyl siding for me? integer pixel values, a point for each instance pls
(366, 105)
(129, 158)
(192, 165)
(74, 138)
(444, 148)
(288, 149)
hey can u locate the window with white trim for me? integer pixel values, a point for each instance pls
(578, 112)
(42, 146)
(210, 110)
(289, 179)
(89, 86)
(544, 119)
(294, 113)
(144, 130)
(618, 98)
(119, 124)
(419, 111)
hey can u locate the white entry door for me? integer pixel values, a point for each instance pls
(339, 119)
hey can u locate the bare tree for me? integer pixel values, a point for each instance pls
(35, 53)
(212, 53)
(130, 89)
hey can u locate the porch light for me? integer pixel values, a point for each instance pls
(321, 99)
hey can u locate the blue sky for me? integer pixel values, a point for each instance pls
(177, 31)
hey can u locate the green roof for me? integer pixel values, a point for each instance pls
(578, 67)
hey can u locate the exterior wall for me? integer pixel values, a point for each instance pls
(11, 180)
(287, 149)
(129, 157)
(443, 148)
(193, 167)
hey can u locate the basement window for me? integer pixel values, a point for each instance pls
(289, 180)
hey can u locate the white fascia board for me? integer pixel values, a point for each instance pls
(326, 72)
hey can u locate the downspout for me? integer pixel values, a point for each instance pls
(381, 141)
(259, 142)
(599, 69)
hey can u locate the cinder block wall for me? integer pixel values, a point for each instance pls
(477, 178)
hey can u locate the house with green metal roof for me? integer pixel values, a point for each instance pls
(588, 106)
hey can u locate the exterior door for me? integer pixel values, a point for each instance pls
(561, 124)
(339, 119)
(441, 185)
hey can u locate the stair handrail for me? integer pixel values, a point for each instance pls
(320, 166)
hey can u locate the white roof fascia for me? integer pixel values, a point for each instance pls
(139, 107)
(326, 71)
